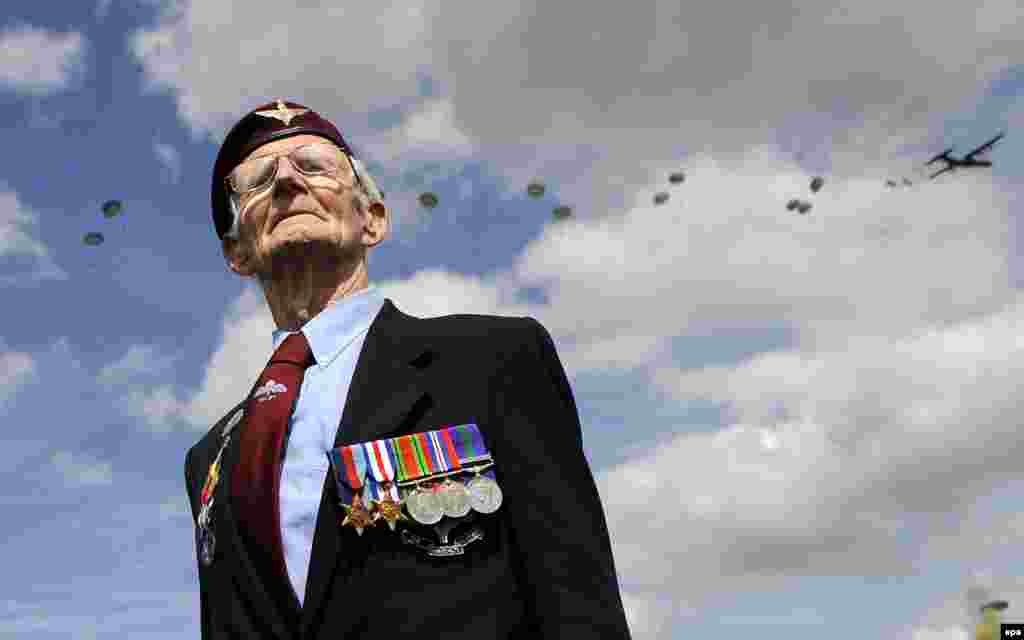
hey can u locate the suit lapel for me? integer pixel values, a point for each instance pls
(389, 381)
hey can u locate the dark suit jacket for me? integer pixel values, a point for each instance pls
(544, 568)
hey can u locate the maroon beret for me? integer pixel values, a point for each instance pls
(271, 121)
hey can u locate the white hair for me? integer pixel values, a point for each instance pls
(366, 194)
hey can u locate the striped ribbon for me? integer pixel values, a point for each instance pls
(409, 457)
(350, 466)
(469, 444)
(354, 459)
(381, 459)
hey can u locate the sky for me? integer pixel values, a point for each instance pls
(798, 423)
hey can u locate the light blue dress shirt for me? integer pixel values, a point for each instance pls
(336, 336)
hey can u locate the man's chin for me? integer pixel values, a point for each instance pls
(289, 240)
(288, 254)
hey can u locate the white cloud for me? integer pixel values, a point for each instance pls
(79, 469)
(857, 461)
(187, 49)
(138, 361)
(956, 616)
(17, 369)
(428, 133)
(17, 239)
(159, 407)
(39, 62)
(175, 507)
(529, 82)
(948, 633)
(237, 363)
(170, 159)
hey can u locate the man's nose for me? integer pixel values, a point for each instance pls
(287, 174)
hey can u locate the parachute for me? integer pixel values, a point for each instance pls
(676, 178)
(111, 208)
(660, 198)
(562, 212)
(535, 189)
(93, 239)
(428, 199)
(804, 207)
(792, 204)
(817, 183)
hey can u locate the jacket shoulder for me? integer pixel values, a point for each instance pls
(497, 338)
(475, 325)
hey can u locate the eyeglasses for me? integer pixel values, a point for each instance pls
(315, 159)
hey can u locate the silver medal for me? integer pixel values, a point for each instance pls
(484, 494)
(454, 499)
(207, 546)
(424, 506)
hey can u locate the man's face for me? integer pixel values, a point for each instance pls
(298, 216)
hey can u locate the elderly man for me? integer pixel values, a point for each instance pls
(387, 476)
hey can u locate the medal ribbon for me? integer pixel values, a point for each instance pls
(417, 455)
(354, 459)
(382, 467)
(344, 493)
(371, 490)
(446, 441)
(425, 453)
(213, 475)
(438, 444)
(211, 483)
(410, 465)
(468, 442)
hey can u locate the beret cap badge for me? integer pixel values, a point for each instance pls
(282, 113)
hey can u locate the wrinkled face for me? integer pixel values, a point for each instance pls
(297, 214)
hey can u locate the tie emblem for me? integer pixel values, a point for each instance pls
(269, 390)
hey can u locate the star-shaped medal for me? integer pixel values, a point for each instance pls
(282, 113)
(390, 511)
(356, 516)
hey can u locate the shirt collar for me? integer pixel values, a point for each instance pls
(338, 324)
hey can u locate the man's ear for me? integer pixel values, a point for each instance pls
(380, 218)
(235, 255)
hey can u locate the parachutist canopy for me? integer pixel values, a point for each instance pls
(428, 200)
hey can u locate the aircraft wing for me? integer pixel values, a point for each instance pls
(983, 148)
(949, 167)
(941, 156)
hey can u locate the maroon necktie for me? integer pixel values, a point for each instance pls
(257, 478)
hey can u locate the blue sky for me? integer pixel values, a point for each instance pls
(786, 414)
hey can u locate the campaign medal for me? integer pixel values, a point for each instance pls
(207, 546)
(381, 458)
(207, 539)
(454, 499)
(356, 515)
(452, 495)
(484, 493)
(414, 462)
(423, 505)
(350, 470)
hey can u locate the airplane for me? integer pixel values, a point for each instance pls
(967, 161)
